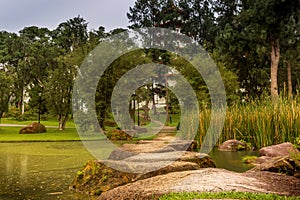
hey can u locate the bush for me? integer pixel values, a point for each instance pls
(29, 114)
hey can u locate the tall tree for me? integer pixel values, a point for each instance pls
(71, 34)
(145, 13)
(6, 87)
(70, 39)
(255, 36)
(272, 16)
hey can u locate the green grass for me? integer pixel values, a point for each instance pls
(224, 195)
(11, 134)
(144, 136)
(49, 122)
(175, 118)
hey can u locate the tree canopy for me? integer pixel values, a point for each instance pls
(254, 43)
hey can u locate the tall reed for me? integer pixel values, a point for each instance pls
(260, 122)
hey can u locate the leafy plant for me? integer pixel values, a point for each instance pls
(297, 142)
(248, 159)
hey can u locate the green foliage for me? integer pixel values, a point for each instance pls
(248, 159)
(297, 142)
(249, 146)
(295, 155)
(259, 122)
(6, 88)
(15, 113)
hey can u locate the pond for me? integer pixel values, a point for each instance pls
(44, 170)
(232, 160)
(40, 170)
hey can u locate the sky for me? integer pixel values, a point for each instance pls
(17, 14)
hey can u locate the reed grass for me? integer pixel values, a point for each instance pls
(259, 122)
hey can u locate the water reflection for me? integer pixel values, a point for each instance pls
(40, 170)
(231, 160)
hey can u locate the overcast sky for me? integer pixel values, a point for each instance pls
(17, 14)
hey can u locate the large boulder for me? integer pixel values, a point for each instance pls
(233, 145)
(100, 176)
(280, 158)
(33, 128)
(205, 180)
(282, 149)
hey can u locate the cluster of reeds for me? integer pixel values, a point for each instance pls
(259, 122)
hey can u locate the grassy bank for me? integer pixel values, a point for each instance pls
(261, 123)
(49, 122)
(11, 134)
(225, 195)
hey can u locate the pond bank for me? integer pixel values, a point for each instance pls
(190, 180)
(206, 180)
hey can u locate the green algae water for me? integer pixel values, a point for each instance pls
(231, 160)
(40, 170)
(44, 170)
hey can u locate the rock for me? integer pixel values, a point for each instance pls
(203, 180)
(283, 149)
(161, 145)
(184, 145)
(280, 164)
(165, 149)
(100, 176)
(233, 145)
(261, 159)
(141, 129)
(119, 154)
(280, 158)
(33, 128)
(119, 135)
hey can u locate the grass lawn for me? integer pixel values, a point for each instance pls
(11, 134)
(224, 195)
(50, 122)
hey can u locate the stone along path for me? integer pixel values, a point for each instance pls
(176, 170)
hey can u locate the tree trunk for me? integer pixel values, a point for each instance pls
(23, 102)
(275, 56)
(289, 78)
(62, 119)
(1, 114)
(146, 114)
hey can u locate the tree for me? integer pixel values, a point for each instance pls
(70, 39)
(255, 36)
(58, 87)
(145, 13)
(6, 87)
(272, 15)
(71, 34)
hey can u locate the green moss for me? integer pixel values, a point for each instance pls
(241, 147)
(295, 155)
(248, 159)
(80, 175)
